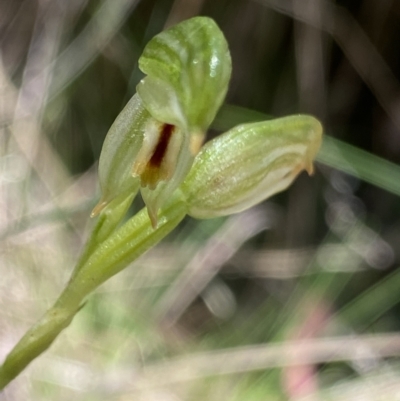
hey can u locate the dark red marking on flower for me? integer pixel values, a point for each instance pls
(162, 145)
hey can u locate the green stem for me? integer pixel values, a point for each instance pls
(106, 224)
(125, 245)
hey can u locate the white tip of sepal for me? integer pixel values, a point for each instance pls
(250, 163)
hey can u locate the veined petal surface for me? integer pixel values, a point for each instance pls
(250, 163)
(188, 69)
(120, 148)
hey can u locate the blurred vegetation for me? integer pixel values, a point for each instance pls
(318, 261)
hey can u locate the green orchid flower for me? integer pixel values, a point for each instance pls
(152, 143)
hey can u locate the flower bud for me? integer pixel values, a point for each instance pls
(250, 163)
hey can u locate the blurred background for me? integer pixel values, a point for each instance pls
(296, 299)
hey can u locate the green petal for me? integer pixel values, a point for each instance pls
(250, 163)
(188, 69)
(121, 146)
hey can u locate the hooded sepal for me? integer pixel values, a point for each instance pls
(188, 70)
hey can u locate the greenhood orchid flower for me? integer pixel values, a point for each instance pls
(153, 142)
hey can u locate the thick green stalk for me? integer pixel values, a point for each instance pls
(107, 222)
(125, 245)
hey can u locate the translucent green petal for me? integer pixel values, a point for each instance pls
(121, 146)
(188, 69)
